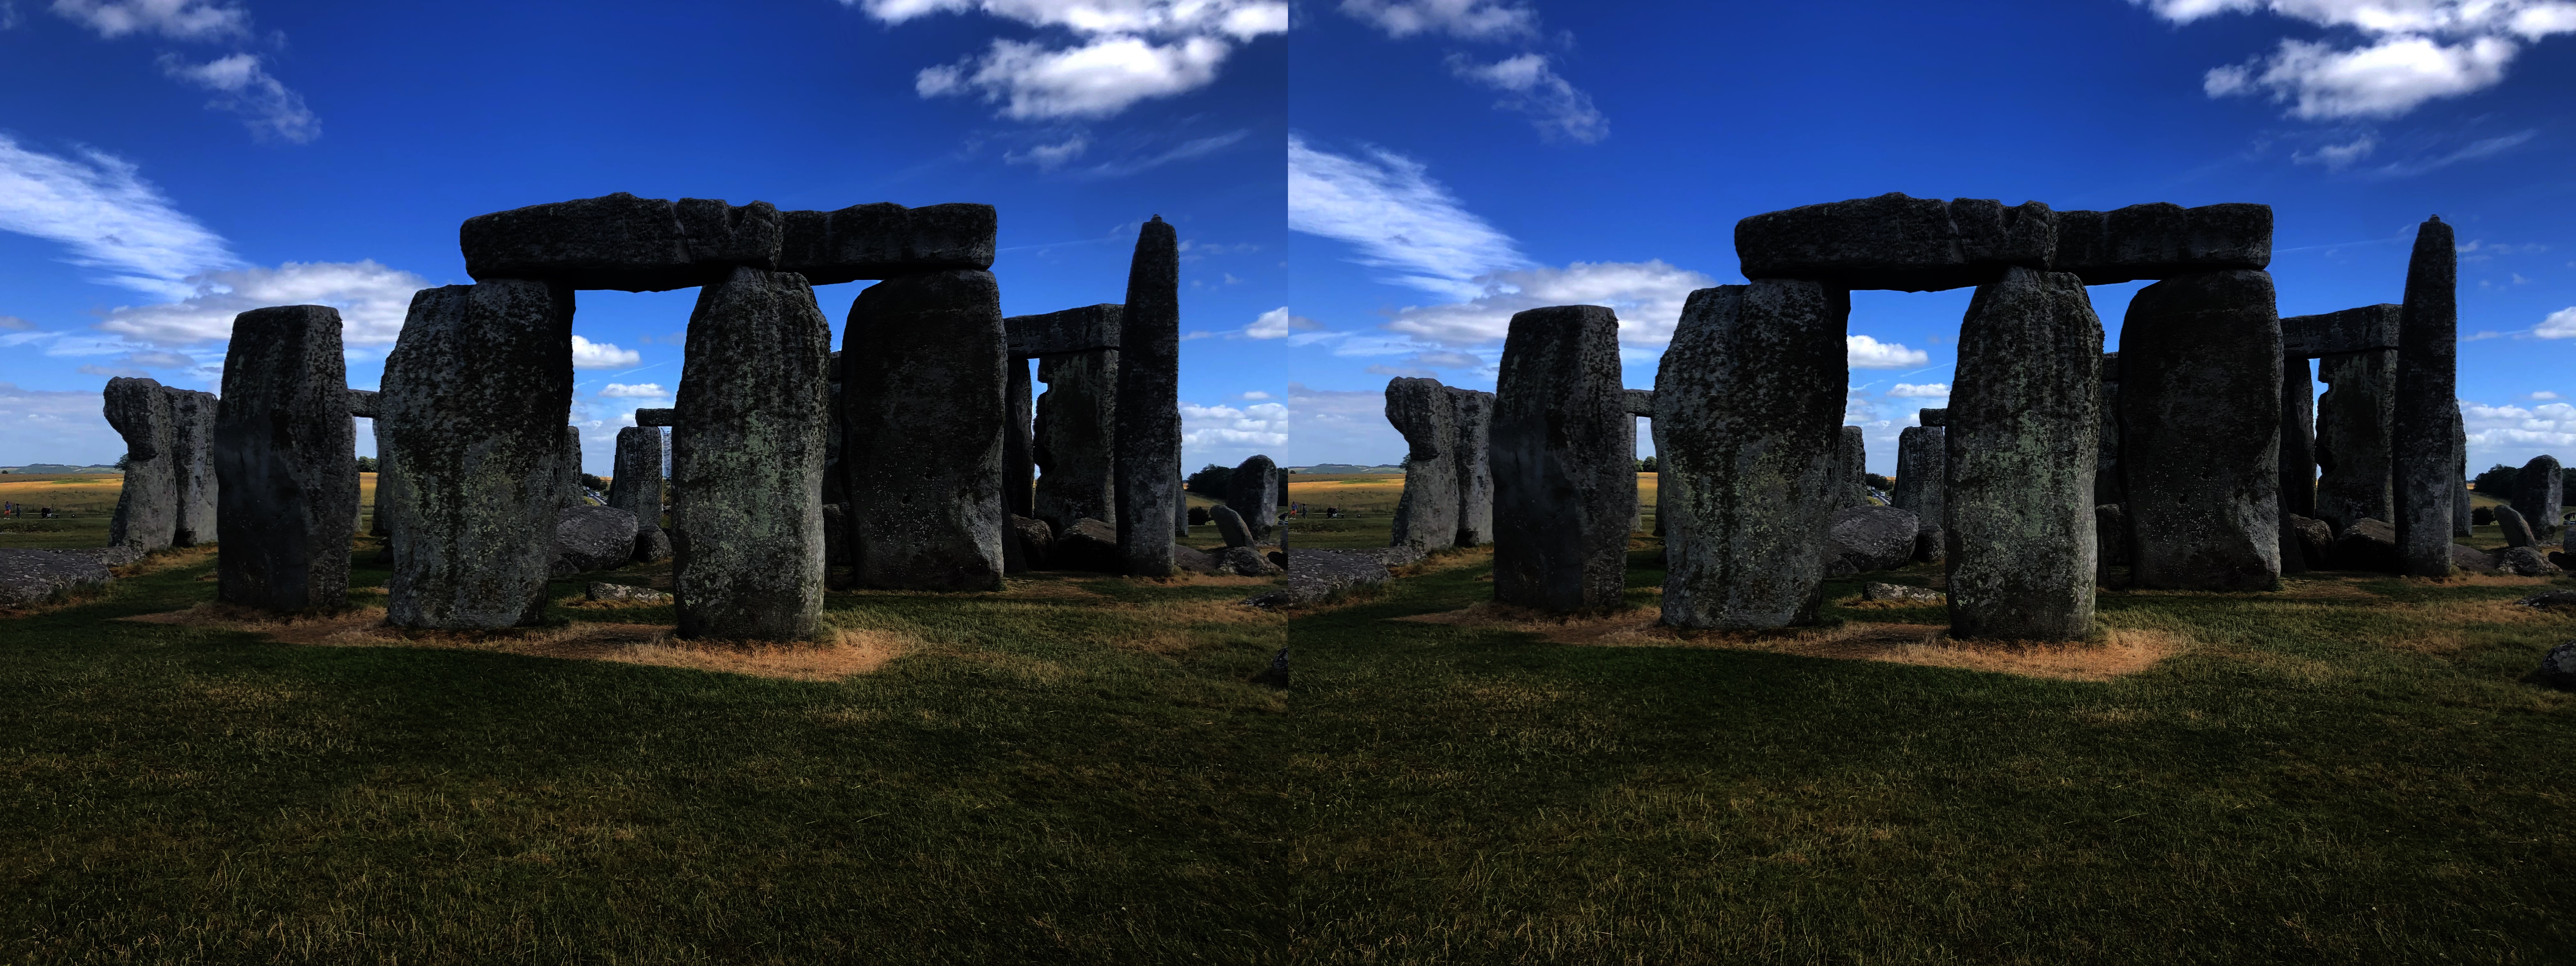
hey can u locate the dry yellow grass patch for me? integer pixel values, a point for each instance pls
(2122, 651)
(848, 652)
(1445, 560)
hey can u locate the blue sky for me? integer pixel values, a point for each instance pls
(1548, 153)
(165, 164)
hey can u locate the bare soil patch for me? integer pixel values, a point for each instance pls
(848, 652)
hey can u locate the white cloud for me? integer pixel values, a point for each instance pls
(100, 207)
(1123, 51)
(1907, 390)
(2544, 395)
(648, 390)
(2397, 55)
(1387, 206)
(1868, 353)
(2513, 435)
(2337, 157)
(602, 355)
(1465, 19)
(1554, 105)
(1049, 157)
(372, 299)
(173, 19)
(1647, 295)
(1278, 324)
(1226, 434)
(244, 88)
(1257, 395)
(2560, 324)
(48, 426)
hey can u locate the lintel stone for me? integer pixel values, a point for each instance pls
(1086, 329)
(2351, 330)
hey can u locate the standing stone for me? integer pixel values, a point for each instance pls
(192, 441)
(2022, 441)
(2422, 468)
(1851, 467)
(376, 523)
(747, 460)
(2353, 421)
(1562, 496)
(1636, 493)
(1077, 422)
(1746, 401)
(147, 508)
(475, 396)
(568, 472)
(2107, 485)
(1149, 402)
(1471, 412)
(1254, 494)
(1019, 456)
(2517, 531)
(2460, 492)
(286, 463)
(637, 487)
(1426, 516)
(923, 389)
(2200, 411)
(2538, 493)
(1921, 462)
(2298, 458)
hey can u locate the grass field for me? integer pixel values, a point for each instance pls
(1367, 502)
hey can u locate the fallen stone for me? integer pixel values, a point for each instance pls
(30, 576)
(1193, 559)
(1230, 525)
(192, 466)
(2517, 531)
(286, 463)
(2368, 545)
(2020, 512)
(922, 400)
(747, 461)
(1563, 493)
(2471, 558)
(1866, 538)
(2200, 417)
(2558, 667)
(1254, 494)
(1902, 593)
(147, 507)
(625, 594)
(1087, 545)
(589, 538)
(2551, 600)
(2424, 462)
(1426, 515)
(2526, 562)
(1245, 562)
(2315, 540)
(2538, 494)
(1276, 675)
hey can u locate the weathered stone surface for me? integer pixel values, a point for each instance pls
(1245, 562)
(2022, 441)
(1860, 539)
(2472, 558)
(1896, 242)
(2368, 545)
(1019, 441)
(2200, 417)
(2517, 530)
(2107, 484)
(657, 418)
(1628, 464)
(624, 594)
(589, 538)
(1148, 439)
(2526, 562)
(1935, 418)
(1471, 415)
(1901, 593)
(2162, 241)
(147, 509)
(1089, 329)
(637, 486)
(1851, 463)
(2368, 328)
(2423, 468)
(1087, 545)
(1930, 546)
(362, 402)
(2558, 667)
(475, 397)
(620, 241)
(2460, 460)
(1562, 497)
(1641, 402)
(1193, 559)
(652, 544)
(2298, 457)
(192, 443)
(286, 463)
(1751, 390)
(747, 460)
(922, 397)
(2353, 420)
(1077, 424)
(1254, 494)
(1230, 525)
(1036, 538)
(1426, 516)
(568, 486)
(2110, 539)
(1921, 466)
(2313, 538)
(30, 576)
(1180, 508)
(2538, 493)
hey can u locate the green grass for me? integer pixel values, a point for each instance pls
(2318, 780)
(1029, 787)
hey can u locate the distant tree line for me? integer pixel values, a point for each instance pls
(1210, 481)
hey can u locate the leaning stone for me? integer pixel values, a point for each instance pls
(2526, 562)
(2517, 531)
(747, 460)
(1562, 496)
(2315, 540)
(1087, 545)
(286, 463)
(1246, 562)
(1896, 242)
(1426, 515)
(2368, 545)
(147, 508)
(625, 594)
(1230, 525)
(2558, 667)
(637, 487)
(921, 395)
(1751, 391)
(1900, 593)
(2424, 466)
(589, 538)
(1148, 438)
(192, 442)
(2019, 504)
(2353, 420)
(1077, 419)
(1866, 538)
(29, 576)
(2471, 558)
(2538, 493)
(2200, 416)
(1471, 414)
(1254, 494)
(2163, 241)
(475, 397)
(658, 418)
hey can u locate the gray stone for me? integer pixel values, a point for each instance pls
(192, 441)
(658, 418)
(1180, 508)
(1245, 562)
(2162, 241)
(1921, 461)
(1077, 423)
(568, 472)
(620, 241)
(1471, 414)
(1923, 244)
(625, 594)
(1628, 465)
(652, 544)
(147, 508)
(1193, 559)
(1087, 545)
(1426, 515)
(1848, 487)
(1866, 538)
(2558, 667)
(1641, 402)
(476, 392)
(2517, 530)
(2471, 558)
(2423, 467)
(836, 538)
(637, 486)
(2368, 545)
(362, 402)
(29, 576)
(1148, 439)
(1935, 418)
(1900, 593)
(2550, 600)
(922, 397)
(2539, 493)
(1254, 494)
(2110, 539)
(286, 463)
(2298, 457)
(1315, 575)
(2313, 538)
(590, 537)
(2526, 562)
(2107, 484)
(2353, 419)
(1036, 538)
(1751, 390)
(1230, 525)
(2018, 507)
(1089, 329)
(1019, 441)
(2200, 417)
(2460, 490)
(1562, 498)
(1930, 546)
(2368, 328)
(747, 460)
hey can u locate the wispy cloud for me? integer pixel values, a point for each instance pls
(372, 299)
(1386, 206)
(241, 83)
(1186, 150)
(1109, 54)
(2388, 56)
(1278, 323)
(169, 19)
(1555, 107)
(1647, 295)
(99, 206)
(1528, 80)
(2474, 150)
(245, 88)
(1463, 19)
